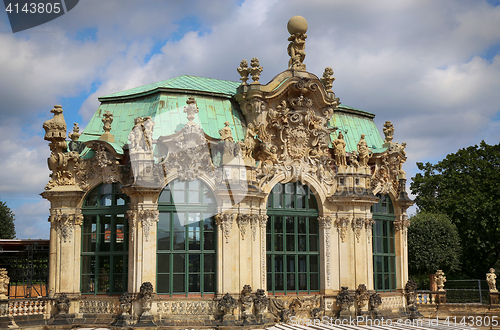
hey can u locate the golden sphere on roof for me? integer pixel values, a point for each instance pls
(297, 24)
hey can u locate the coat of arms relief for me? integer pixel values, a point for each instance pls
(291, 132)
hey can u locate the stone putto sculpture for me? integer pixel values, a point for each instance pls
(107, 119)
(297, 26)
(364, 151)
(339, 145)
(491, 280)
(4, 283)
(246, 300)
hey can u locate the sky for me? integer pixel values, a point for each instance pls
(430, 67)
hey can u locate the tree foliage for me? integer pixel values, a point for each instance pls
(465, 186)
(433, 243)
(7, 229)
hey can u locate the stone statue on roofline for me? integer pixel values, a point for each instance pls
(297, 26)
(339, 145)
(363, 151)
(388, 132)
(491, 280)
(227, 136)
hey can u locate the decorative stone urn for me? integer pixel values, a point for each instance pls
(362, 297)
(63, 304)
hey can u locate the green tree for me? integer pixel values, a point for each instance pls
(433, 243)
(7, 229)
(465, 186)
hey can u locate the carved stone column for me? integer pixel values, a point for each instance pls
(142, 218)
(65, 240)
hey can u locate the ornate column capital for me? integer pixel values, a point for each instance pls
(65, 223)
(325, 222)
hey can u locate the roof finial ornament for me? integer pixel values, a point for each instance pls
(243, 70)
(255, 70)
(328, 79)
(76, 132)
(107, 119)
(297, 26)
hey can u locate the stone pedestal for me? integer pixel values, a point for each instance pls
(494, 298)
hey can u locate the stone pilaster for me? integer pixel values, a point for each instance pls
(65, 240)
(325, 227)
(142, 218)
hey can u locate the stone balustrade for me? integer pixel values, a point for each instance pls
(430, 297)
(27, 307)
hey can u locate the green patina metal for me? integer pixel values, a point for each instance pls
(164, 102)
(354, 122)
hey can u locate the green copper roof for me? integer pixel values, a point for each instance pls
(167, 111)
(354, 122)
(180, 84)
(164, 102)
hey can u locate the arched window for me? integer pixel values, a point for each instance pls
(292, 239)
(186, 239)
(104, 241)
(384, 254)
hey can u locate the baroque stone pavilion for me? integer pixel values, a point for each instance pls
(186, 190)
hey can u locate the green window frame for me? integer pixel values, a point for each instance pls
(187, 239)
(384, 248)
(104, 256)
(292, 240)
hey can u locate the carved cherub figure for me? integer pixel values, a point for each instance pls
(491, 280)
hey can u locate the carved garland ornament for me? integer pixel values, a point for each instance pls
(225, 221)
(368, 226)
(146, 217)
(243, 220)
(65, 224)
(357, 224)
(326, 224)
(342, 223)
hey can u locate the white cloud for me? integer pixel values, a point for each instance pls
(31, 220)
